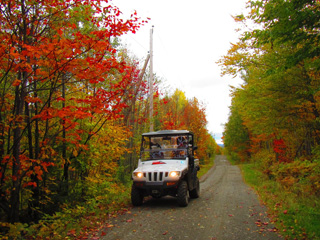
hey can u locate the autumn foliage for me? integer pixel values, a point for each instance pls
(175, 111)
(274, 119)
(62, 81)
(73, 105)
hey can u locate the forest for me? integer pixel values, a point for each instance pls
(274, 117)
(73, 105)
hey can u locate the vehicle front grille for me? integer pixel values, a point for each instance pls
(156, 176)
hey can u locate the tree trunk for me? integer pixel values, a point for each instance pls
(64, 146)
(16, 164)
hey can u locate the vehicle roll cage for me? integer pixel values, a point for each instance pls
(167, 144)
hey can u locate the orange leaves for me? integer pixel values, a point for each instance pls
(28, 168)
(178, 112)
(5, 159)
(306, 110)
(29, 99)
(30, 184)
(65, 82)
(67, 114)
(38, 171)
(16, 83)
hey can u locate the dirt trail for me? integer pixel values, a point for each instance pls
(227, 209)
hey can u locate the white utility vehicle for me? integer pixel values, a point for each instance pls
(166, 167)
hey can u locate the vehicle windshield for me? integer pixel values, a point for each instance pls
(165, 147)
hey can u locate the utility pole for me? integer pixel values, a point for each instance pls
(151, 80)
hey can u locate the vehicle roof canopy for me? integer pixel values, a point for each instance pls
(168, 132)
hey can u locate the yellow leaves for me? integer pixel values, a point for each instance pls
(94, 179)
(14, 230)
(300, 174)
(235, 60)
(288, 181)
(107, 148)
(305, 110)
(75, 152)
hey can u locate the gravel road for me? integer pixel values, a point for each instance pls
(227, 209)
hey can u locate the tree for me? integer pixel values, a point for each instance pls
(278, 104)
(294, 22)
(236, 136)
(177, 112)
(58, 67)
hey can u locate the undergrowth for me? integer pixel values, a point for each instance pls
(296, 216)
(82, 221)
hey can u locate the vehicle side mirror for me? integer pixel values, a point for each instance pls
(195, 148)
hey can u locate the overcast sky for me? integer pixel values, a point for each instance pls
(189, 37)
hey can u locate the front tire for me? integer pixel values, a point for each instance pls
(136, 196)
(182, 194)
(195, 193)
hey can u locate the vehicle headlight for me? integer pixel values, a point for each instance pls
(138, 174)
(174, 174)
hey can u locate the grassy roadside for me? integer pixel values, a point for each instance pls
(296, 217)
(205, 168)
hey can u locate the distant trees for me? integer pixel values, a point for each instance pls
(275, 114)
(177, 112)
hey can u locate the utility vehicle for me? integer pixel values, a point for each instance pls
(167, 166)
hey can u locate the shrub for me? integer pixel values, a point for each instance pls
(300, 176)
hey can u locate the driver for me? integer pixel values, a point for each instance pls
(182, 142)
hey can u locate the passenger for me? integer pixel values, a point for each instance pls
(182, 142)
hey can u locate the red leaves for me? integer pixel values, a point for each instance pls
(31, 184)
(165, 101)
(60, 99)
(71, 83)
(279, 147)
(68, 114)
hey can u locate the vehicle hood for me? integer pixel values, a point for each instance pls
(162, 165)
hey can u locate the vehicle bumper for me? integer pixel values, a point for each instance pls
(156, 185)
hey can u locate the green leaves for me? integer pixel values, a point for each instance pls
(293, 22)
(276, 112)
